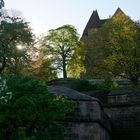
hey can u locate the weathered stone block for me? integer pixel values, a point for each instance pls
(88, 121)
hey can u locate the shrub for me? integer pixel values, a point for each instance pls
(81, 85)
(84, 85)
(108, 84)
(29, 112)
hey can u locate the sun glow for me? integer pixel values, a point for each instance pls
(19, 47)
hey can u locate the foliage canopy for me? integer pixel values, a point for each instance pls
(60, 45)
(115, 48)
(29, 111)
(14, 32)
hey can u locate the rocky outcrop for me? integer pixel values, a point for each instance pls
(124, 111)
(124, 95)
(70, 93)
(88, 121)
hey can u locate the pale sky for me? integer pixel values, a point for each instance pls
(50, 14)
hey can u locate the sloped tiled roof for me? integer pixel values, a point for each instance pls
(96, 22)
(93, 22)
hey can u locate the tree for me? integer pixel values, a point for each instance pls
(60, 44)
(117, 42)
(14, 32)
(29, 112)
(42, 68)
(46, 71)
(1, 4)
(76, 66)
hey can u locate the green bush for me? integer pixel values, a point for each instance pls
(29, 112)
(84, 85)
(81, 85)
(108, 84)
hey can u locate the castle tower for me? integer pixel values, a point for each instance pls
(94, 22)
(90, 62)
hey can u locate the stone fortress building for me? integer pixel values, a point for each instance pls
(92, 61)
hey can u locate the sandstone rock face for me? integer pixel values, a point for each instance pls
(125, 122)
(88, 121)
(124, 112)
(70, 93)
(124, 96)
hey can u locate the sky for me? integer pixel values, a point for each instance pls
(44, 15)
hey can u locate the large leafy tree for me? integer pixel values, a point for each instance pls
(60, 45)
(124, 60)
(76, 66)
(29, 112)
(116, 47)
(14, 31)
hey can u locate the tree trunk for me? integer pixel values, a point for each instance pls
(3, 64)
(64, 68)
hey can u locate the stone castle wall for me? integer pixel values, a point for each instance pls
(124, 111)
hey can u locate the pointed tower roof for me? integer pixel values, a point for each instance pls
(118, 11)
(96, 22)
(93, 22)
